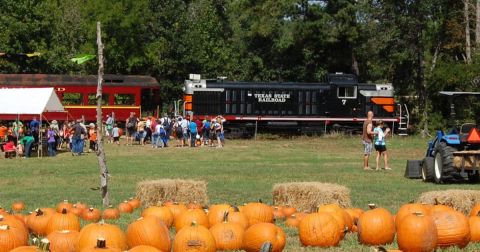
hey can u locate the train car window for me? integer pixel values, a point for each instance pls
(242, 96)
(124, 99)
(242, 108)
(249, 108)
(72, 99)
(92, 99)
(347, 92)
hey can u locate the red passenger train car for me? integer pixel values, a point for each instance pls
(122, 94)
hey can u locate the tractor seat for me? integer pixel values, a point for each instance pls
(465, 129)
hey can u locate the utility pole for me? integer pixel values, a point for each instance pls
(102, 162)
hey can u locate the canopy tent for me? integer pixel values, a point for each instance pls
(29, 101)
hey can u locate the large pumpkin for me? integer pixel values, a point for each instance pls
(216, 213)
(176, 208)
(417, 232)
(114, 236)
(228, 235)
(91, 214)
(474, 223)
(409, 209)
(15, 225)
(11, 237)
(376, 227)
(144, 248)
(162, 212)
(101, 246)
(452, 227)
(194, 238)
(111, 214)
(256, 235)
(63, 241)
(239, 218)
(343, 218)
(191, 215)
(149, 231)
(319, 229)
(63, 221)
(37, 221)
(257, 213)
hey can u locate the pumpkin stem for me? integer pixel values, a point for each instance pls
(90, 209)
(38, 212)
(372, 206)
(4, 227)
(419, 214)
(260, 201)
(45, 244)
(266, 247)
(194, 224)
(478, 213)
(101, 243)
(235, 208)
(225, 217)
(64, 211)
(381, 249)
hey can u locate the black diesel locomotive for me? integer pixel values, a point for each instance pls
(339, 101)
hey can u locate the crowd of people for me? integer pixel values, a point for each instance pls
(19, 139)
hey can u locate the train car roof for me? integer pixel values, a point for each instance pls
(281, 85)
(76, 80)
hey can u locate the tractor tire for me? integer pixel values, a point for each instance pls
(428, 169)
(473, 177)
(443, 165)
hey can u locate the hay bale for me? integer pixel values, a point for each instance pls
(305, 196)
(156, 192)
(460, 200)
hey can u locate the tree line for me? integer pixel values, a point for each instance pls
(421, 46)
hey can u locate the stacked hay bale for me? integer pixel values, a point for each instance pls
(460, 200)
(156, 192)
(307, 196)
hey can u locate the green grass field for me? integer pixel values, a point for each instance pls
(243, 171)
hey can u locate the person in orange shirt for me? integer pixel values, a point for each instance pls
(3, 132)
(92, 136)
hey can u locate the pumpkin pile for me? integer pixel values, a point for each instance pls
(250, 227)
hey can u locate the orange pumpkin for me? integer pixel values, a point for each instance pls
(258, 213)
(77, 211)
(278, 213)
(409, 209)
(194, 238)
(124, 207)
(376, 227)
(217, 212)
(292, 221)
(143, 248)
(452, 228)
(63, 221)
(37, 221)
(113, 235)
(64, 205)
(20, 217)
(474, 223)
(63, 241)
(288, 210)
(176, 209)
(191, 215)
(440, 208)
(342, 218)
(239, 218)
(228, 236)
(101, 246)
(26, 249)
(111, 214)
(354, 214)
(81, 205)
(256, 235)
(15, 225)
(163, 213)
(417, 232)
(319, 229)
(92, 215)
(149, 231)
(18, 206)
(134, 203)
(11, 237)
(194, 205)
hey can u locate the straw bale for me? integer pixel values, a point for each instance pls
(156, 192)
(460, 200)
(306, 196)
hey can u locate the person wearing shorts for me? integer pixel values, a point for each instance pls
(380, 145)
(367, 139)
(116, 134)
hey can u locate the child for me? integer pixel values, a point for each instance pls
(92, 136)
(116, 134)
(380, 145)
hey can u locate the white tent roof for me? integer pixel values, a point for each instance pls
(30, 101)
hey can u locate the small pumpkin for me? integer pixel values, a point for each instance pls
(288, 210)
(228, 236)
(474, 223)
(217, 212)
(63, 241)
(91, 215)
(18, 206)
(417, 232)
(149, 231)
(37, 221)
(111, 214)
(278, 213)
(112, 234)
(292, 221)
(63, 221)
(64, 205)
(134, 203)
(452, 228)
(319, 230)
(194, 238)
(256, 235)
(161, 212)
(81, 205)
(124, 207)
(376, 227)
(257, 213)
(191, 215)
(77, 211)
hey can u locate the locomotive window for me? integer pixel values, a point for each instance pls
(72, 99)
(124, 99)
(347, 92)
(92, 99)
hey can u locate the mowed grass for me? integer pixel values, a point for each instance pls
(243, 171)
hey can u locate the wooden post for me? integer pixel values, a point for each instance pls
(102, 162)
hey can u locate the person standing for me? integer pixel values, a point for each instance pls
(51, 141)
(192, 127)
(77, 142)
(116, 134)
(131, 125)
(380, 145)
(109, 127)
(367, 139)
(34, 126)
